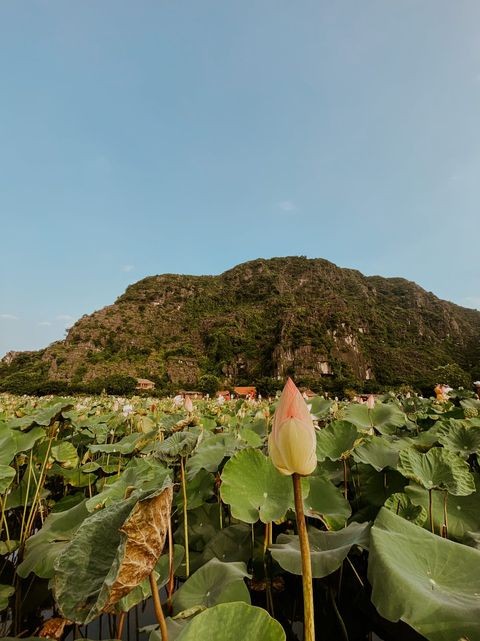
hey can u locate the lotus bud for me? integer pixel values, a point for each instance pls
(371, 402)
(188, 404)
(292, 441)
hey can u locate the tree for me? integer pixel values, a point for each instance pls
(453, 375)
(208, 384)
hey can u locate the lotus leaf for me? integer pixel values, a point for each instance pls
(43, 548)
(215, 582)
(111, 553)
(460, 438)
(429, 582)
(233, 621)
(463, 512)
(376, 451)
(327, 549)
(336, 441)
(325, 501)
(400, 503)
(437, 469)
(254, 488)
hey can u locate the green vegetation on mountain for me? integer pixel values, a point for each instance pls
(326, 326)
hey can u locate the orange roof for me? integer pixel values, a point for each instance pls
(245, 390)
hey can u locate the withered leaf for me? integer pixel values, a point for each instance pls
(146, 530)
(54, 628)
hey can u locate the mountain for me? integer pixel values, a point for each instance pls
(293, 316)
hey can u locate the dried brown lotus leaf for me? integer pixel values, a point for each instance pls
(54, 628)
(146, 530)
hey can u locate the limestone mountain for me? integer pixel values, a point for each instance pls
(266, 318)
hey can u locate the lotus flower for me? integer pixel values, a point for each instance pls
(371, 402)
(292, 442)
(188, 404)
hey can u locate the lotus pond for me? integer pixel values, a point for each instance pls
(106, 501)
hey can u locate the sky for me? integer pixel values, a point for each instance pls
(174, 136)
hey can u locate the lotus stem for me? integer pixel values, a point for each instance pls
(341, 622)
(36, 499)
(307, 581)
(157, 606)
(430, 510)
(185, 516)
(171, 576)
(445, 516)
(345, 478)
(120, 624)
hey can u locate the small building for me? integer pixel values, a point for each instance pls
(224, 393)
(245, 392)
(193, 394)
(144, 384)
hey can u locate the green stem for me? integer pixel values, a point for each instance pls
(307, 581)
(430, 509)
(185, 517)
(341, 622)
(445, 516)
(157, 606)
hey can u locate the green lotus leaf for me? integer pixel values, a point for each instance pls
(215, 582)
(463, 512)
(400, 503)
(376, 451)
(7, 474)
(199, 490)
(250, 437)
(6, 591)
(210, 453)
(126, 445)
(459, 438)
(385, 417)
(320, 407)
(44, 416)
(13, 441)
(232, 621)
(24, 492)
(140, 474)
(430, 583)
(65, 453)
(203, 525)
(326, 502)
(336, 441)
(8, 447)
(233, 543)
(180, 444)
(8, 546)
(374, 488)
(437, 469)
(254, 488)
(327, 549)
(43, 548)
(75, 477)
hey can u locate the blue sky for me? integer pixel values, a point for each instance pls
(146, 137)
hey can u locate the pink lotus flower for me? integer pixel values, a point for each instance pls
(292, 441)
(188, 404)
(371, 402)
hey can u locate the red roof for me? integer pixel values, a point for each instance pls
(243, 391)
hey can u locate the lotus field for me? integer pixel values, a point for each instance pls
(136, 519)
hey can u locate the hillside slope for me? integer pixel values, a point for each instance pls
(266, 318)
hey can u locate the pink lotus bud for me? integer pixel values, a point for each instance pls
(292, 442)
(188, 404)
(371, 402)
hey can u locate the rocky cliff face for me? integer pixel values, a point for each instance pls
(283, 316)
